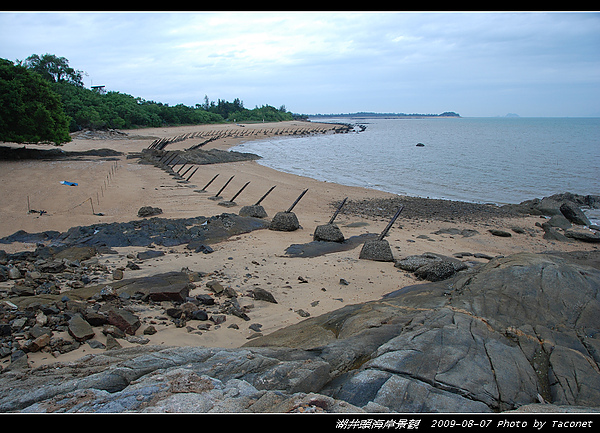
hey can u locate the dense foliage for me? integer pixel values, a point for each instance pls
(50, 79)
(30, 112)
(97, 110)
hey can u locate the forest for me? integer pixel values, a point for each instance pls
(42, 99)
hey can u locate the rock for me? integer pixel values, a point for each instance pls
(467, 233)
(150, 330)
(263, 295)
(583, 235)
(79, 329)
(150, 254)
(95, 318)
(158, 231)
(133, 266)
(4, 273)
(14, 274)
(117, 274)
(53, 267)
(205, 299)
(203, 249)
(123, 319)
(284, 221)
(500, 233)
(436, 271)
(254, 211)
(5, 330)
(491, 325)
(552, 234)
(328, 233)
(550, 206)
(147, 211)
(430, 266)
(574, 214)
(215, 286)
(497, 337)
(559, 221)
(199, 315)
(378, 250)
(112, 343)
(39, 343)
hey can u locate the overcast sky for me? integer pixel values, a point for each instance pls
(477, 64)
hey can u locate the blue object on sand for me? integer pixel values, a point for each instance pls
(64, 182)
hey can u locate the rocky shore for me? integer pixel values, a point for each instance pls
(154, 309)
(470, 344)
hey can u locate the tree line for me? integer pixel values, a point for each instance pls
(42, 99)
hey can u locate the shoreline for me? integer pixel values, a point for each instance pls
(245, 261)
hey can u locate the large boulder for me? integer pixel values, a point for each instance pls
(574, 214)
(551, 205)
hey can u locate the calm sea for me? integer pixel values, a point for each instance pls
(497, 160)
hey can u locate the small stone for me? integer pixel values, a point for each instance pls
(150, 330)
(40, 342)
(255, 327)
(132, 266)
(263, 295)
(95, 344)
(124, 320)
(112, 343)
(79, 329)
(302, 313)
(14, 274)
(500, 233)
(150, 254)
(215, 286)
(199, 315)
(117, 274)
(205, 299)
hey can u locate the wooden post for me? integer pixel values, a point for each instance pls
(296, 202)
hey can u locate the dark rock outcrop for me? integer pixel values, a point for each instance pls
(512, 333)
(159, 231)
(431, 266)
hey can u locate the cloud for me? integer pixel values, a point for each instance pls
(473, 63)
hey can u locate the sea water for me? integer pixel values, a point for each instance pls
(488, 160)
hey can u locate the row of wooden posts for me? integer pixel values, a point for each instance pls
(103, 187)
(374, 249)
(214, 134)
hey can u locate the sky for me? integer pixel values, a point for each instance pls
(478, 64)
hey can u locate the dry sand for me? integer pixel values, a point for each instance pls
(245, 261)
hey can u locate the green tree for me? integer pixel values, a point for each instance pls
(30, 112)
(53, 68)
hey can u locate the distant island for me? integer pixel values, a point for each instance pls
(388, 115)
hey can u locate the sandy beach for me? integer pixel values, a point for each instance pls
(117, 187)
